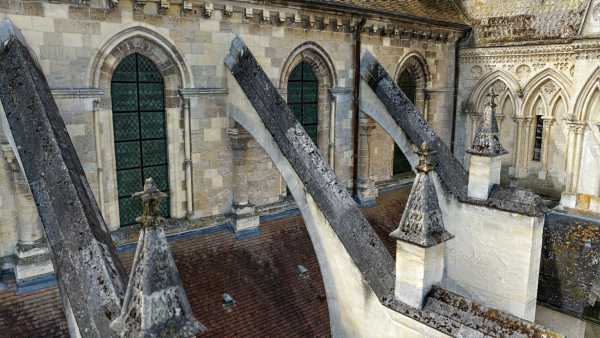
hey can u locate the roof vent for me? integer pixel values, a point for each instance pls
(303, 272)
(228, 302)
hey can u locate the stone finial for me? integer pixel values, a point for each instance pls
(422, 222)
(151, 198)
(424, 153)
(155, 303)
(487, 140)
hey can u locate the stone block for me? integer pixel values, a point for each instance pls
(484, 172)
(245, 218)
(568, 200)
(417, 270)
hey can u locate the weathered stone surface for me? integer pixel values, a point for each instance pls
(155, 304)
(422, 223)
(340, 210)
(452, 174)
(570, 267)
(89, 273)
(487, 138)
(456, 316)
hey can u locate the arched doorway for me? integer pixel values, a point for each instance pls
(303, 98)
(408, 83)
(138, 106)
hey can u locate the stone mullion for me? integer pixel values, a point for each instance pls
(366, 185)
(547, 125)
(573, 150)
(521, 148)
(579, 132)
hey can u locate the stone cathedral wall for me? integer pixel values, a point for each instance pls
(547, 73)
(79, 46)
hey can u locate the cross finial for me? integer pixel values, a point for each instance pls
(492, 95)
(151, 198)
(425, 153)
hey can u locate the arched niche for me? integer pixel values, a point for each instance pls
(315, 57)
(587, 109)
(413, 77)
(176, 76)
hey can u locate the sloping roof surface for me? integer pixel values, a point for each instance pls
(260, 273)
(438, 10)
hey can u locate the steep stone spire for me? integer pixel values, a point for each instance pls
(487, 141)
(422, 222)
(155, 303)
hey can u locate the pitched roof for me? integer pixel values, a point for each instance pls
(438, 10)
(260, 273)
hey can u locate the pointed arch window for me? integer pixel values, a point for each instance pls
(408, 84)
(303, 98)
(138, 105)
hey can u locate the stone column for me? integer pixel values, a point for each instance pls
(574, 142)
(244, 213)
(547, 125)
(32, 253)
(521, 146)
(367, 192)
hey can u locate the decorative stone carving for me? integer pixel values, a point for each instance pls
(476, 72)
(549, 89)
(523, 71)
(266, 16)
(249, 13)
(208, 9)
(487, 140)
(228, 10)
(282, 18)
(155, 303)
(422, 222)
(528, 22)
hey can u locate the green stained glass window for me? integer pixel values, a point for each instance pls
(138, 100)
(303, 97)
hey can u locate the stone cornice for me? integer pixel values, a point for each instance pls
(195, 92)
(577, 49)
(309, 18)
(77, 93)
(340, 90)
(516, 51)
